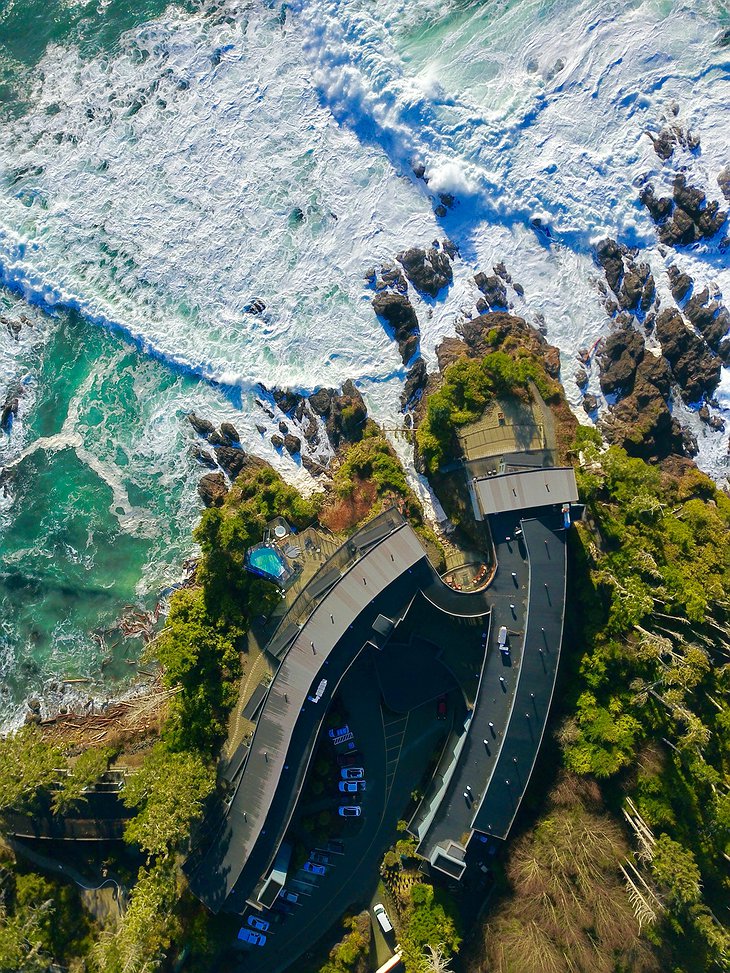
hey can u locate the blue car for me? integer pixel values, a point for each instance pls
(257, 923)
(251, 937)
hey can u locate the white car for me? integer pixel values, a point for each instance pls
(349, 812)
(352, 773)
(351, 786)
(382, 916)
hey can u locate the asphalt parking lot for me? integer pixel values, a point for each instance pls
(393, 747)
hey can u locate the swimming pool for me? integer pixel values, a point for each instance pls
(267, 561)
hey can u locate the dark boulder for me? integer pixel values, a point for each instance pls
(286, 399)
(694, 366)
(581, 377)
(261, 430)
(202, 426)
(618, 359)
(397, 311)
(679, 282)
(292, 444)
(312, 466)
(428, 270)
(710, 318)
(660, 207)
(277, 441)
(321, 400)
(230, 433)
(415, 383)
(230, 459)
(590, 402)
(610, 256)
(347, 415)
(495, 293)
(213, 489)
(283, 427)
(391, 276)
(9, 412)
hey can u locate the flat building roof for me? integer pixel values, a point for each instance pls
(523, 490)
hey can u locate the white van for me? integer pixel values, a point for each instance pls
(502, 638)
(382, 916)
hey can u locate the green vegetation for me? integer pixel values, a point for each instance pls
(350, 955)
(41, 921)
(372, 458)
(27, 766)
(200, 645)
(429, 920)
(651, 572)
(86, 770)
(469, 385)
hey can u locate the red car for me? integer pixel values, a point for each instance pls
(441, 708)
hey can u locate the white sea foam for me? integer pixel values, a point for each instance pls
(207, 164)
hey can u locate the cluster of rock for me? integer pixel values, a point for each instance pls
(428, 271)
(342, 412)
(673, 136)
(494, 289)
(632, 283)
(14, 325)
(226, 455)
(640, 419)
(686, 216)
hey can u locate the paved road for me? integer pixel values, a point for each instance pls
(392, 746)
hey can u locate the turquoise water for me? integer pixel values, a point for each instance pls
(268, 560)
(152, 159)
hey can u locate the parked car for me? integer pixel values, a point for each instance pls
(348, 759)
(257, 923)
(382, 916)
(349, 812)
(314, 868)
(339, 732)
(352, 773)
(441, 708)
(319, 857)
(288, 896)
(351, 786)
(249, 936)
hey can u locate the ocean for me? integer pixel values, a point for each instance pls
(164, 166)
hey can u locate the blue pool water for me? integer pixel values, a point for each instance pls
(268, 561)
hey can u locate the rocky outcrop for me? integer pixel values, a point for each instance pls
(415, 383)
(292, 444)
(202, 456)
(397, 311)
(450, 350)
(640, 421)
(277, 441)
(688, 219)
(203, 427)
(213, 489)
(230, 459)
(631, 282)
(229, 433)
(618, 359)
(482, 333)
(428, 270)
(494, 291)
(14, 325)
(590, 402)
(713, 421)
(694, 366)
(710, 318)
(9, 410)
(670, 138)
(680, 283)
(344, 412)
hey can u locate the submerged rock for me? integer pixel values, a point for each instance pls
(415, 383)
(202, 456)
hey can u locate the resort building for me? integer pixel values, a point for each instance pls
(358, 599)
